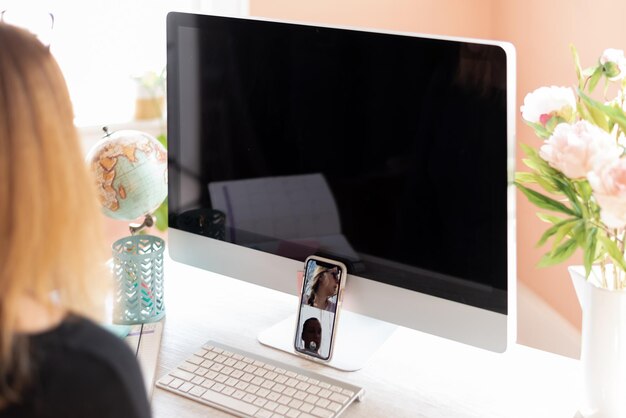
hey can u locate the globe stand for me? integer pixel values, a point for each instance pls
(148, 222)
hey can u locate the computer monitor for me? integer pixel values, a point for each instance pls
(391, 152)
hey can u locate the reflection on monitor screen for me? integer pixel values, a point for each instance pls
(389, 152)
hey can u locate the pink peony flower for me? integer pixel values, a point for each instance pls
(609, 188)
(576, 149)
(545, 102)
(617, 70)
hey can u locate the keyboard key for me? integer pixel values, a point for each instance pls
(201, 371)
(279, 388)
(197, 380)
(268, 384)
(217, 350)
(270, 375)
(273, 396)
(181, 374)
(263, 414)
(249, 368)
(185, 387)
(290, 373)
(238, 394)
(324, 385)
(322, 413)
(176, 383)
(260, 372)
(314, 390)
(336, 388)
(260, 402)
(220, 359)
(227, 401)
(302, 377)
(293, 413)
(302, 386)
(281, 409)
(237, 356)
(228, 390)
(218, 387)
(252, 389)
(211, 374)
(289, 392)
(166, 379)
(271, 405)
(323, 403)
(334, 406)
(284, 400)
(295, 403)
(195, 360)
(197, 391)
(262, 392)
(257, 381)
(300, 395)
(207, 384)
(312, 399)
(291, 382)
(347, 392)
(249, 398)
(324, 393)
(201, 352)
(306, 407)
(338, 398)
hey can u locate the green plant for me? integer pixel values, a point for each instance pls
(580, 167)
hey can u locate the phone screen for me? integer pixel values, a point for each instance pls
(318, 308)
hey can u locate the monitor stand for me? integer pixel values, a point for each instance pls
(358, 338)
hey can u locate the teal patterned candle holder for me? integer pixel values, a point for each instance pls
(138, 275)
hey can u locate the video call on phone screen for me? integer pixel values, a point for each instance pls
(318, 308)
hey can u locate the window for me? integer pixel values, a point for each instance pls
(101, 44)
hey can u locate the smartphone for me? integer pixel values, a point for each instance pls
(319, 306)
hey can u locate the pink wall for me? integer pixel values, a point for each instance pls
(541, 32)
(449, 17)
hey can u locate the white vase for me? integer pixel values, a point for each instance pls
(603, 347)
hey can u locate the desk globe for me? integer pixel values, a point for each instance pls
(130, 168)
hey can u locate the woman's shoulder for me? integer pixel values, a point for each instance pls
(89, 362)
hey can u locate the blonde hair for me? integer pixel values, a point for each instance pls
(50, 229)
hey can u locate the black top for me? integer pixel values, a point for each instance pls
(82, 370)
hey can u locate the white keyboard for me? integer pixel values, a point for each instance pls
(249, 385)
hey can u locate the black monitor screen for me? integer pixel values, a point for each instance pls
(385, 151)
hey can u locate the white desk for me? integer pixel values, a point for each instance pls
(412, 375)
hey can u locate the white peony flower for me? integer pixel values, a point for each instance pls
(546, 102)
(609, 188)
(576, 149)
(617, 71)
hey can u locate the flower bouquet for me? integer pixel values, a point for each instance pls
(578, 174)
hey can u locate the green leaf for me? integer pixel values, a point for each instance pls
(615, 114)
(528, 150)
(595, 77)
(161, 216)
(579, 233)
(566, 187)
(162, 139)
(540, 131)
(589, 251)
(613, 250)
(543, 201)
(563, 231)
(524, 177)
(549, 232)
(579, 70)
(547, 183)
(562, 253)
(551, 219)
